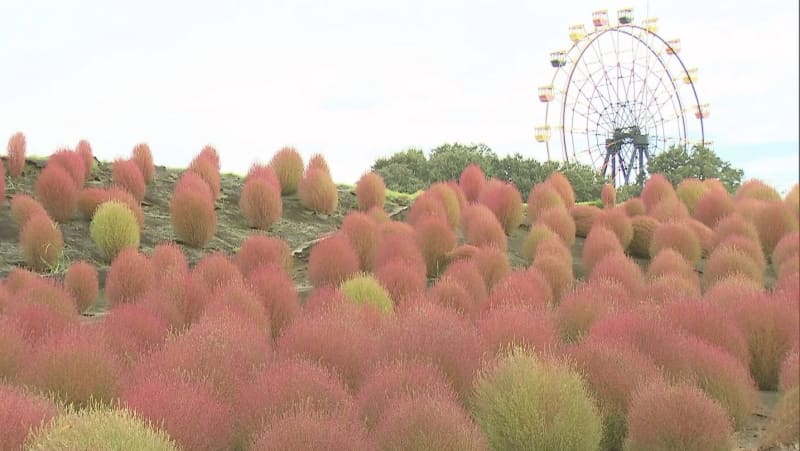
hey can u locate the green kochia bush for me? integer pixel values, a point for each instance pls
(525, 403)
(364, 289)
(114, 228)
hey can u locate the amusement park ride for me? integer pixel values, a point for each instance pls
(620, 94)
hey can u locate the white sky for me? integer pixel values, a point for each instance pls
(359, 79)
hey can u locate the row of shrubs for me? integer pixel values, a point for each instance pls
(419, 334)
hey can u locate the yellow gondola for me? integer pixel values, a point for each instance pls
(577, 32)
(546, 93)
(690, 76)
(673, 46)
(600, 18)
(542, 134)
(651, 24)
(625, 16)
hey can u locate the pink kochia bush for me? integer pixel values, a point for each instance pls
(617, 266)
(472, 182)
(435, 239)
(57, 192)
(24, 207)
(482, 228)
(332, 261)
(143, 158)
(288, 166)
(127, 175)
(84, 149)
(318, 192)
(207, 167)
(215, 270)
(16, 154)
(274, 288)
(370, 191)
(167, 260)
(189, 411)
(72, 163)
(773, 223)
(22, 414)
(525, 288)
(192, 210)
(587, 303)
(600, 242)
(260, 202)
(661, 416)
(41, 242)
(678, 236)
(77, 367)
(130, 277)
(82, 283)
(13, 348)
(505, 201)
(133, 331)
(312, 431)
(257, 250)
(506, 327)
(363, 233)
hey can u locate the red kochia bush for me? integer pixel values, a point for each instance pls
(609, 196)
(523, 288)
(438, 335)
(756, 189)
(472, 182)
(84, 149)
(41, 242)
(449, 197)
(426, 205)
(168, 259)
(317, 161)
(669, 261)
(559, 221)
(790, 372)
(729, 290)
(130, 277)
(402, 280)
(713, 206)
(435, 239)
(542, 197)
(587, 303)
(23, 207)
(77, 367)
(787, 249)
(363, 233)
(397, 380)
(505, 201)
(309, 430)
(260, 203)
(727, 261)
(733, 224)
(558, 272)
(332, 261)
(656, 189)
(258, 170)
(318, 192)
(127, 175)
(276, 291)
(189, 411)
(192, 211)
(288, 166)
(81, 282)
(481, 228)
(71, 162)
(399, 247)
(16, 154)
(89, 199)
(57, 192)
(215, 270)
(634, 207)
(509, 326)
(132, 331)
(14, 349)
(288, 386)
(370, 191)
(600, 242)
(209, 153)
(466, 273)
(22, 414)
(773, 223)
(428, 423)
(563, 186)
(143, 158)
(257, 250)
(618, 222)
(584, 216)
(748, 246)
(492, 263)
(678, 236)
(339, 338)
(450, 294)
(671, 287)
(206, 168)
(661, 416)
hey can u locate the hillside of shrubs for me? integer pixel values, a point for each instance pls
(162, 310)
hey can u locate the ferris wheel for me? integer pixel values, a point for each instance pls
(619, 95)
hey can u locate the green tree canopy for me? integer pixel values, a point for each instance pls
(700, 162)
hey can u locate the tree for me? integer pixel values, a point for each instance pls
(702, 163)
(448, 160)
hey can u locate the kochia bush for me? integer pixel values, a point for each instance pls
(57, 192)
(331, 261)
(505, 202)
(773, 223)
(71, 162)
(130, 277)
(362, 231)
(16, 154)
(543, 197)
(370, 191)
(274, 288)
(713, 206)
(364, 289)
(559, 221)
(618, 222)
(84, 149)
(257, 250)
(288, 166)
(114, 228)
(600, 242)
(127, 175)
(472, 182)
(82, 283)
(312, 430)
(435, 239)
(584, 216)
(678, 236)
(143, 158)
(563, 186)
(260, 203)
(510, 326)
(207, 170)
(41, 242)
(192, 211)
(22, 415)
(24, 207)
(318, 192)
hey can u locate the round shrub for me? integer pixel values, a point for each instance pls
(690, 191)
(505, 202)
(713, 206)
(364, 289)
(44, 291)
(16, 154)
(257, 250)
(609, 195)
(792, 199)
(483, 229)
(2, 182)
(399, 247)
(208, 171)
(773, 223)
(401, 281)
(100, 428)
(168, 260)
(437, 335)
(398, 380)
(522, 402)
(559, 221)
(529, 289)
(617, 266)
(733, 224)
(318, 192)
(587, 303)
(307, 430)
(370, 191)
(656, 189)
(450, 200)
(265, 172)
(466, 273)
(89, 199)
(22, 414)
(584, 216)
(24, 207)
(563, 186)
(783, 428)
(143, 158)
(558, 272)
(450, 294)
(215, 270)
(670, 288)
(57, 192)
(260, 203)
(133, 331)
(731, 289)
(426, 205)
(76, 367)
(643, 229)
(317, 161)
(188, 411)
(634, 207)
(362, 231)
(13, 350)
(120, 195)
(72, 163)
(669, 210)
(332, 261)
(421, 423)
(492, 263)
(472, 181)
(129, 278)
(536, 235)
(41, 242)
(748, 246)
(511, 326)
(84, 149)
(114, 228)
(678, 236)
(543, 197)
(756, 189)
(288, 166)
(127, 175)
(618, 222)
(661, 416)
(276, 291)
(82, 283)
(192, 211)
(726, 261)
(614, 373)
(669, 261)
(435, 239)
(787, 249)
(210, 154)
(600, 242)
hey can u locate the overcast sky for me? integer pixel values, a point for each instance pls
(359, 79)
